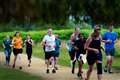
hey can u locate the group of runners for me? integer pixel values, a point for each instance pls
(17, 44)
(77, 46)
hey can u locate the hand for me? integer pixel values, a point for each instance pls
(108, 41)
(76, 48)
(96, 50)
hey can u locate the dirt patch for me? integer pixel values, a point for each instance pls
(64, 73)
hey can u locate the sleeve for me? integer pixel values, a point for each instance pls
(44, 39)
(104, 36)
(60, 42)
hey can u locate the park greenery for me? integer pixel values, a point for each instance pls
(60, 11)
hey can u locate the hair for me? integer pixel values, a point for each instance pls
(79, 35)
(28, 35)
(16, 33)
(94, 35)
(76, 28)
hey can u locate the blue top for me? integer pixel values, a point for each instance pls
(57, 43)
(112, 36)
(7, 43)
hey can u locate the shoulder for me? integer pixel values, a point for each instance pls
(115, 33)
(14, 37)
(105, 33)
(46, 36)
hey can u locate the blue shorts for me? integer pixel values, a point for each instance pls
(57, 53)
(110, 52)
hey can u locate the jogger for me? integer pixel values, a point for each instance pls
(29, 43)
(110, 38)
(49, 44)
(7, 43)
(17, 48)
(80, 51)
(72, 53)
(94, 55)
(57, 49)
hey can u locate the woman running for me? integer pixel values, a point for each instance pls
(57, 49)
(72, 53)
(79, 47)
(17, 48)
(7, 43)
(29, 43)
(94, 55)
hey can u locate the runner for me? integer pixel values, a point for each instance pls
(29, 43)
(72, 53)
(57, 49)
(49, 43)
(110, 38)
(94, 55)
(7, 43)
(79, 47)
(17, 48)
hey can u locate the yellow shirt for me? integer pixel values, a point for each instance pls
(17, 42)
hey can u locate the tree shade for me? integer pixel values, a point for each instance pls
(58, 11)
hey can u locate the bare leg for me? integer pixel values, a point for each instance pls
(80, 64)
(99, 76)
(20, 60)
(110, 64)
(14, 62)
(53, 64)
(56, 59)
(90, 69)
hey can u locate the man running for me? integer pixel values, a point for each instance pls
(110, 38)
(49, 43)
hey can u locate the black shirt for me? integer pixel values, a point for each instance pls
(80, 45)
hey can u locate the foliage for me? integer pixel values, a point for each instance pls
(59, 11)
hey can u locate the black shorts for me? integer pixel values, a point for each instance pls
(50, 54)
(93, 57)
(72, 55)
(17, 51)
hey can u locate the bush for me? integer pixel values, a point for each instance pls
(64, 34)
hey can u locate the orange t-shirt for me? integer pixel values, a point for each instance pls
(17, 42)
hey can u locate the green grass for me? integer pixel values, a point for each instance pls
(10, 74)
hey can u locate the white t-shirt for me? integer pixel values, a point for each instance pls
(50, 43)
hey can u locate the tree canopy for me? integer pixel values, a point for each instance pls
(58, 11)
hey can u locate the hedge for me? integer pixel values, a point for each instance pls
(64, 34)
